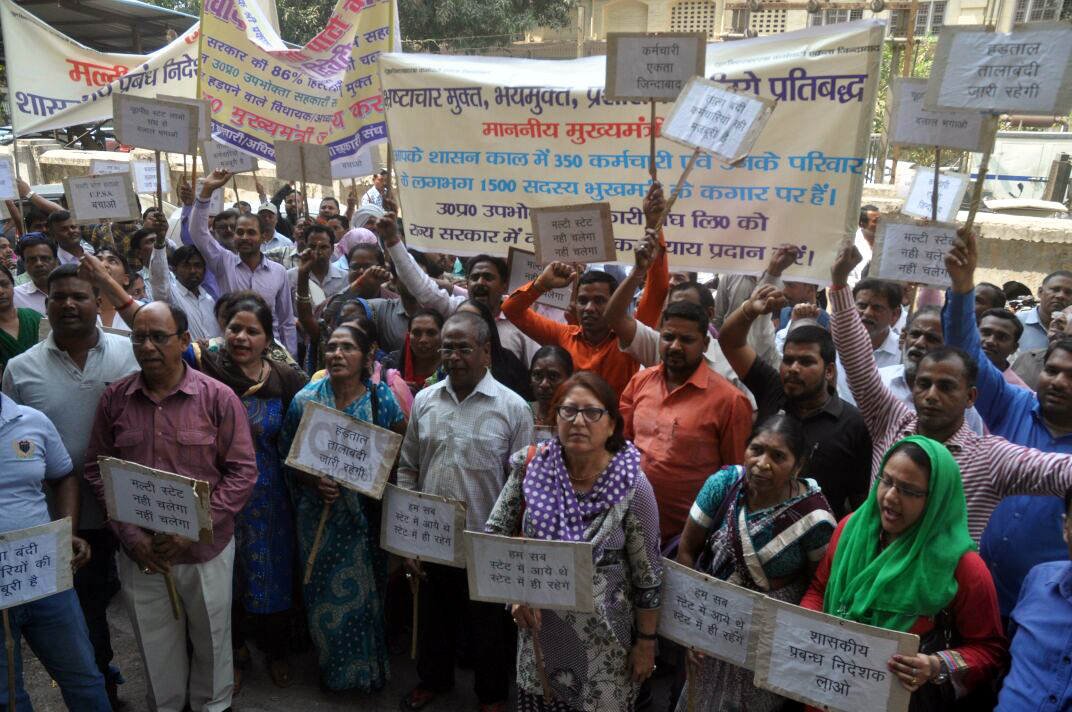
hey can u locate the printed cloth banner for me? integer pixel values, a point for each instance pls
(477, 141)
(56, 82)
(326, 92)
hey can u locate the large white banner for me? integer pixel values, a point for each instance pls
(478, 141)
(56, 82)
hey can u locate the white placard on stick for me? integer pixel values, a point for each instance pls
(101, 167)
(93, 199)
(154, 124)
(573, 233)
(913, 125)
(951, 189)
(35, 562)
(220, 156)
(906, 251)
(159, 501)
(359, 165)
(541, 574)
(423, 526)
(708, 615)
(9, 190)
(215, 203)
(829, 662)
(353, 452)
(524, 268)
(712, 118)
(1026, 71)
(303, 161)
(204, 113)
(652, 66)
(145, 176)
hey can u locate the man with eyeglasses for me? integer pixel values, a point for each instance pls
(686, 420)
(461, 434)
(172, 418)
(64, 377)
(991, 467)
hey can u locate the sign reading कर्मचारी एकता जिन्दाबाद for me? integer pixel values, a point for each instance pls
(478, 141)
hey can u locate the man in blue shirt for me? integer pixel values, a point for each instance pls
(31, 453)
(1040, 679)
(1054, 294)
(1023, 531)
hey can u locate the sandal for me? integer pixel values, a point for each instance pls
(242, 661)
(417, 699)
(280, 671)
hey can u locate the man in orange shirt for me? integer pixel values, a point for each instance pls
(687, 421)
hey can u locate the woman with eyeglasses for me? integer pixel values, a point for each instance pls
(344, 596)
(586, 485)
(264, 529)
(761, 526)
(905, 561)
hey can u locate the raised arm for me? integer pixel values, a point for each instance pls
(159, 274)
(213, 253)
(650, 306)
(43, 204)
(93, 270)
(420, 285)
(517, 307)
(617, 314)
(1019, 470)
(733, 338)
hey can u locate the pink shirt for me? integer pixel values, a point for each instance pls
(198, 430)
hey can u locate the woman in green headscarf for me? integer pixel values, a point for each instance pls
(905, 561)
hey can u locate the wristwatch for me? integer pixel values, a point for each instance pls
(943, 673)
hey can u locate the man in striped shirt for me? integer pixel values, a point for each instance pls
(991, 467)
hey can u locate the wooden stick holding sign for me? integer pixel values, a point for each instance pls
(354, 453)
(937, 182)
(991, 130)
(159, 192)
(162, 502)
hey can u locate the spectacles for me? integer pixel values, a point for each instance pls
(157, 337)
(569, 412)
(462, 351)
(910, 492)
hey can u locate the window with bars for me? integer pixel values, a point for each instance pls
(832, 17)
(929, 20)
(693, 16)
(767, 22)
(1037, 10)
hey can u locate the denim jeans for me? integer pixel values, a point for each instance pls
(56, 632)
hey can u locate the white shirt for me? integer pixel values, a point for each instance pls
(887, 354)
(893, 378)
(199, 307)
(372, 197)
(278, 241)
(28, 296)
(865, 250)
(64, 257)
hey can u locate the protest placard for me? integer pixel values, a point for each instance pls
(573, 233)
(906, 251)
(8, 188)
(160, 501)
(538, 573)
(422, 526)
(721, 121)
(951, 189)
(913, 125)
(827, 661)
(360, 165)
(145, 176)
(708, 615)
(353, 452)
(35, 562)
(1026, 71)
(101, 167)
(93, 199)
(652, 66)
(221, 156)
(204, 116)
(303, 161)
(158, 125)
(215, 203)
(524, 268)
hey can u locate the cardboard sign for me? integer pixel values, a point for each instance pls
(145, 176)
(1026, 71)
(159, 501)
(524, 268)
(215, 203)
(94, 199)
(204, 116)
(829, 662)
(908, 252)
(35, 562)
(423, 526)
(100, 167)
(717, 120)
(355, 453)
(652, 66)
(541, 574)
(219, 156)
(359, 165)
(709, 615)
(913, 125)
(158, 125)
(9, 189)
(573, 233)
(303, 161)
(951, 189)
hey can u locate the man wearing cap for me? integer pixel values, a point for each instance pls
(269, 215)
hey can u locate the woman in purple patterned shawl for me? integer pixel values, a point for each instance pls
(586, 485)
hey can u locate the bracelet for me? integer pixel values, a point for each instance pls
(30, 195)
(307, 299)
(127, 303)
(646, 636)
(744, 310)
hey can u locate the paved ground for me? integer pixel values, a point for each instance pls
(259, 693)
